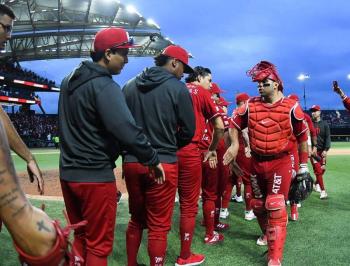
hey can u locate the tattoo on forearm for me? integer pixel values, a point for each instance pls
(42, 226)
(19, 210)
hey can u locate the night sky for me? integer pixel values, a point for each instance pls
(229, 37)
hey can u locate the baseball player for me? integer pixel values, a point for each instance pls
(213, 179)
(16, 144)
(162, 106)
(244, 162)
(95, 125)
(223, 170)
(271, 120)
(190, 161)
(340, 92)
(323, 145)
(312, 142)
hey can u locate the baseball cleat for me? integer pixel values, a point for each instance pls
(194, 259)
(262, 240)
(236, 198)
(213, 239)
(224, 213)
(323, 195)
(274, 262)
(222, 226)
(249, 215)
(317, 188)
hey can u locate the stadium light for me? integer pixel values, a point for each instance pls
(152, 22)
(132, 10)
(348, 76)
(302, 77)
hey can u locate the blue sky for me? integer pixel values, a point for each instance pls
(229, 37)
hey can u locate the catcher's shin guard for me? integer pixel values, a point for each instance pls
(258, 206)
(277, 227)
(59, 254)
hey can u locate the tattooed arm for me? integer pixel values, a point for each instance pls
(31, 229)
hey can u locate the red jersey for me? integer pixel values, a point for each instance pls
(208, 131)
(204, 109)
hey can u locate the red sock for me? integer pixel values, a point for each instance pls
(187, 225)
(93, 260)
(238, 189)
(248, 194)
(320, 181)
(133, 241)
(157, 243)
(226, 197)
(209, 216)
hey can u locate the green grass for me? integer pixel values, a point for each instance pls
(320, 237)
(340, 145)
(48, 159)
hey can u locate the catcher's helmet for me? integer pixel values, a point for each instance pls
(301, 187)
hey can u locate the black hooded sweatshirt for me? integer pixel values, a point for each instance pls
(95, 124)
(162, 106)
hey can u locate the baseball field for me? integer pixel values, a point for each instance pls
(320, 237)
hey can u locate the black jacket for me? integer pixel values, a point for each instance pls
(323, 135)
(95, 124)
(162, 106)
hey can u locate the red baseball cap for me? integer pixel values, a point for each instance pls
(223, 102)
(180, 54)
(112, 38)
(215, 89)
(242, 97)
(293, 97)
(315, 108)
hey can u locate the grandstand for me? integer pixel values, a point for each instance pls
(51, 29)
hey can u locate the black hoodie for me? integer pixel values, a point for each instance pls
(95, 125)
(162, 106)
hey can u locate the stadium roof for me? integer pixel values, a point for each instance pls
(50, 29)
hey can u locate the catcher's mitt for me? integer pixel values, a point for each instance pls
(301, 187)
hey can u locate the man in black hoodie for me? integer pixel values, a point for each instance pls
(95, 126)
(162, 106)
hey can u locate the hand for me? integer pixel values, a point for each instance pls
(338, 90)
(314, 151)
(230, 155)
(309, 151)
(324, 154)
(35, 173)
(211, 156)
(303, 169)
(157, 172)
(247, 152)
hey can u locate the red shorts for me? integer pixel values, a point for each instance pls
(97, 204)
(151, 204)
(271, 176)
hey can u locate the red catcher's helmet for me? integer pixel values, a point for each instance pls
(265, 70)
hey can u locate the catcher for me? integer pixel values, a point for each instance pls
(272, 120)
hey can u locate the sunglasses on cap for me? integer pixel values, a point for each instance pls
(7, 28)
(128, 42)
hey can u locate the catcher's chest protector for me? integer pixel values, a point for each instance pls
(270, 126)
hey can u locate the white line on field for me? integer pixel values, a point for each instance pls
(38, 153)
